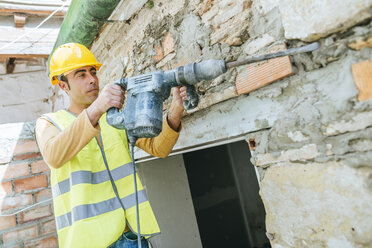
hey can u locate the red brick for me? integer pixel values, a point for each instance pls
(159, 53)
(205, 6)
(261, 74)
(168, 44)
(28, 146)
(49, 242)
(43, 195)
(30, 183)
(6, 188)
(26, 156)
(362, 73)
(16, 201)
(39, 166)
(21, 234)
(14, 170)
(35, 214)
(7, 222)
(48, 227)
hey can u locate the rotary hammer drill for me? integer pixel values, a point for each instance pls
(142, 116)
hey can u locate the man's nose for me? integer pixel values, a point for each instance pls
(92, 78)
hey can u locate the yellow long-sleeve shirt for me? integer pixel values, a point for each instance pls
(58, 147)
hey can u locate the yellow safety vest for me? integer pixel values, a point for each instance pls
(91, 191)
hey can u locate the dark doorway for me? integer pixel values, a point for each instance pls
(224, 190)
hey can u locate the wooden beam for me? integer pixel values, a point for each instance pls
(19, 20)
(4, 56)
(10, 65)
(30, 12)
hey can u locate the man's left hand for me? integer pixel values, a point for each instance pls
(176, 108)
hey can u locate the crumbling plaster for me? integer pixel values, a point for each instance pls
(313, 137)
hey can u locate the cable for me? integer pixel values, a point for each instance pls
(24, 209)
(32, 30)
(132, 143)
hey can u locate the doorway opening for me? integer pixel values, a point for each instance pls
(224, 190)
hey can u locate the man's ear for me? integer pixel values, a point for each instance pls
(64, 86)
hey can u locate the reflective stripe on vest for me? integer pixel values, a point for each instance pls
(91, 190)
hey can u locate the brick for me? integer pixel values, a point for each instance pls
(29, 146)
(30, 183)
(49, 242)
(48, 227)
(361, 43)
(168, 44)
(16, 201)
(7, 222)
(261, 74)
(21, 234)
(43, 195)
(204, 6)
(35, 214)
(19, 20)
(362, 73)
(6, 188)
(159, 53)
(39, 166)
(165, 60)
(14, 170)
(26, 156)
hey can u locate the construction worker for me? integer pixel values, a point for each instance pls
(91, 174)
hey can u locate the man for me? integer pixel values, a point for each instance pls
(91, 174)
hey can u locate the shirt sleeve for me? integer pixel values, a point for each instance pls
(161, 145)
(58, 147)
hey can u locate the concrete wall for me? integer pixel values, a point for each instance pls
(26, 92)
(312, 134)
(24, 96)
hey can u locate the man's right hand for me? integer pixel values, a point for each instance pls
(112, 95)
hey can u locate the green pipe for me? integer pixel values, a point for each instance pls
(83, 21)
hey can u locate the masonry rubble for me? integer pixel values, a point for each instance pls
(312, 134)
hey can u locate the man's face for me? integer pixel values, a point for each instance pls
(84, 86)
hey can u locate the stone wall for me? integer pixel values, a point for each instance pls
(24, 179)
(310, 131)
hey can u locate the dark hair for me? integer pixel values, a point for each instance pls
(64, 79)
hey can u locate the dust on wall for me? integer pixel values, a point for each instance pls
(313, 136)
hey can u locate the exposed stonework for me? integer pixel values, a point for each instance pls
(321, 205)
(312, 135)
(311, 20)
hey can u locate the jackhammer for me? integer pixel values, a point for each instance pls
(143, 115)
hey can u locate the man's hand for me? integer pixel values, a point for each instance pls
(176, 108)
(112, 95)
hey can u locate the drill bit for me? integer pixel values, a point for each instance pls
(307, 48)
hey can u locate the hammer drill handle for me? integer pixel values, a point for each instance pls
(192, 96)
(114, 117)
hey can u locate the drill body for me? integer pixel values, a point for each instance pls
(143, 113)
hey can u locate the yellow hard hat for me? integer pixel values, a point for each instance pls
(68, 57)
